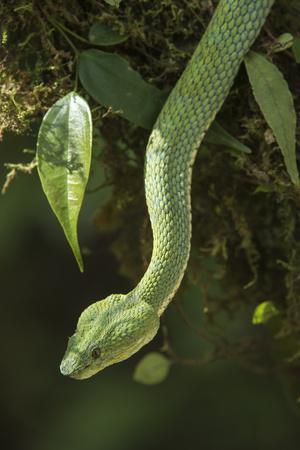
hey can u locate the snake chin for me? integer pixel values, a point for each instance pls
(108, 331)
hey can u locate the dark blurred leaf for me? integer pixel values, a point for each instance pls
(152, 369)
(218, 136)
(272, 93)
(64, 157)
(102, 34)
(111, 81)
(264, 312)
(296, 49)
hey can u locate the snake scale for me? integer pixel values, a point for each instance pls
(113, 329)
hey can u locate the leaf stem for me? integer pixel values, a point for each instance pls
(58, 27)
(75, 35)
(75, 50)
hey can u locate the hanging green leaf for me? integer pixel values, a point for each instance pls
(102, 34)
(218, 136)
(152, 369)
(111, 81)
(272, 93)
(264, 312)
(296, 49)
(64, 157)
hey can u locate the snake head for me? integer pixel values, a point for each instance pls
(108, 332)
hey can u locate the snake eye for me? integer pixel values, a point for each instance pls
(96, 352)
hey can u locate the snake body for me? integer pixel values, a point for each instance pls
(111, 330)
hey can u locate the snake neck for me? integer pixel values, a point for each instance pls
(177, 134)
(168, 171)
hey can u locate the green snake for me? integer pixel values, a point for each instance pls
(113, 329)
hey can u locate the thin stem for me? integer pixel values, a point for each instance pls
(59, 28)
(100, 186)
(76, 73)
(66, 37)
(202, 335)
(73, 48)
(67, 30)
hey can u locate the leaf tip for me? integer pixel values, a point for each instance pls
(77, 253)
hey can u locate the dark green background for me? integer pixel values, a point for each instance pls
(42, 294)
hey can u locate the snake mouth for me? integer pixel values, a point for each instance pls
(85, 372)
(79, 374)
(69, 368)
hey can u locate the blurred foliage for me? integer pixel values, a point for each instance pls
(42, 293)
(152, 369)
(245, 249)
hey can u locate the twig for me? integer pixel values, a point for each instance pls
(100, 186)
(201, 334)
(14, 169)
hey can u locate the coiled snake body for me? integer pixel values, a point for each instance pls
(111, 330)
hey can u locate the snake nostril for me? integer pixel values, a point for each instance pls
(67, 366)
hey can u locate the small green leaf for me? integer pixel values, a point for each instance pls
(284, 42)
(218, 136)
(111, 81)
(296, 49)
(102, 34)
(265, 188)
(64, 158)
(152, 369)
(115, 3)
(272, 93)
(264, 312)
